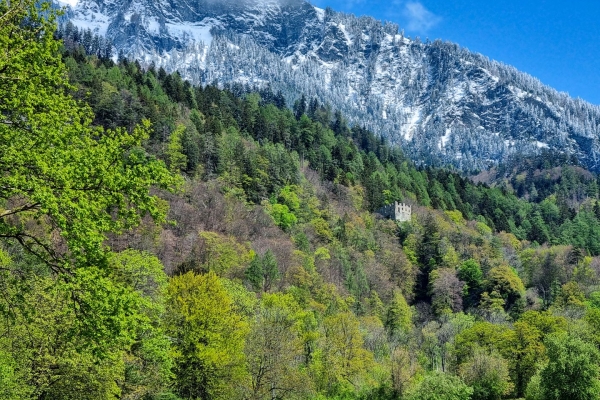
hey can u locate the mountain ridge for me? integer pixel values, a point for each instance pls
(443, 104)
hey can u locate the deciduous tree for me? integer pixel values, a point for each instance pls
(208, 337)
(572, 370)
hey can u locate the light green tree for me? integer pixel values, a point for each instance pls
(222, 254)
(53, 353)
(78, 181)
(147, 361)
(175, 152)
(65, 185)
(282, 216)
(505, 281)
(470, 273)
(398, 318)
(56, 352)
(487, 374)
(440, 386)
(343, 362)
(274, 350)
(523, 349)
(208, 337)
(572, 371)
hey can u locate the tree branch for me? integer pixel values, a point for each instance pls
(26, 207)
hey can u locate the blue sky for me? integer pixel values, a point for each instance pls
(558, 42)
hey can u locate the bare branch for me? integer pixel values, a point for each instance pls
(24, 208)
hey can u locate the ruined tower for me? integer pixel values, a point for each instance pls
(396, 211)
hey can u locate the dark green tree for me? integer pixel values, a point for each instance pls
(263, 272)
(470, 273)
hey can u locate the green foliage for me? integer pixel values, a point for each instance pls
(289, 197)
(113, 325)
(147, 362)
(523, 349)
(273, 350)
(208, 336)
(66, 186)
(570, 295)
(572, 370)
(470, 273)
(405, 370)
(398, 318)
(54, 353)
(12, 381)
(263, 272)
(222, 254)
(439, 386)
(505, 281)
(81, 181)
(544, 322)
(174, 153)
(343, 360)
(322, 229)
(282, 216)
(534, 391)
(484, 335)
(488, 375)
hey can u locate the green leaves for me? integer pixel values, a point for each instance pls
(440, 386)
(208, 336)
(177, 159)
(77, 181)
(505, 281)
(572, 371)
(70, 312)
(263, 272)
(488, 375)
(398, 319)
(282, 216)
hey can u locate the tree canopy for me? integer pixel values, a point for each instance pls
(61, 178)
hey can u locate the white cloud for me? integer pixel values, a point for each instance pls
(419, 18)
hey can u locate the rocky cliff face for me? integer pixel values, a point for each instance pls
(443, 104)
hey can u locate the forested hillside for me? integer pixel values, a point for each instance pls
(165, 241)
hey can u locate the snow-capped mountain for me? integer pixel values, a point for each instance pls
(441, 103)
